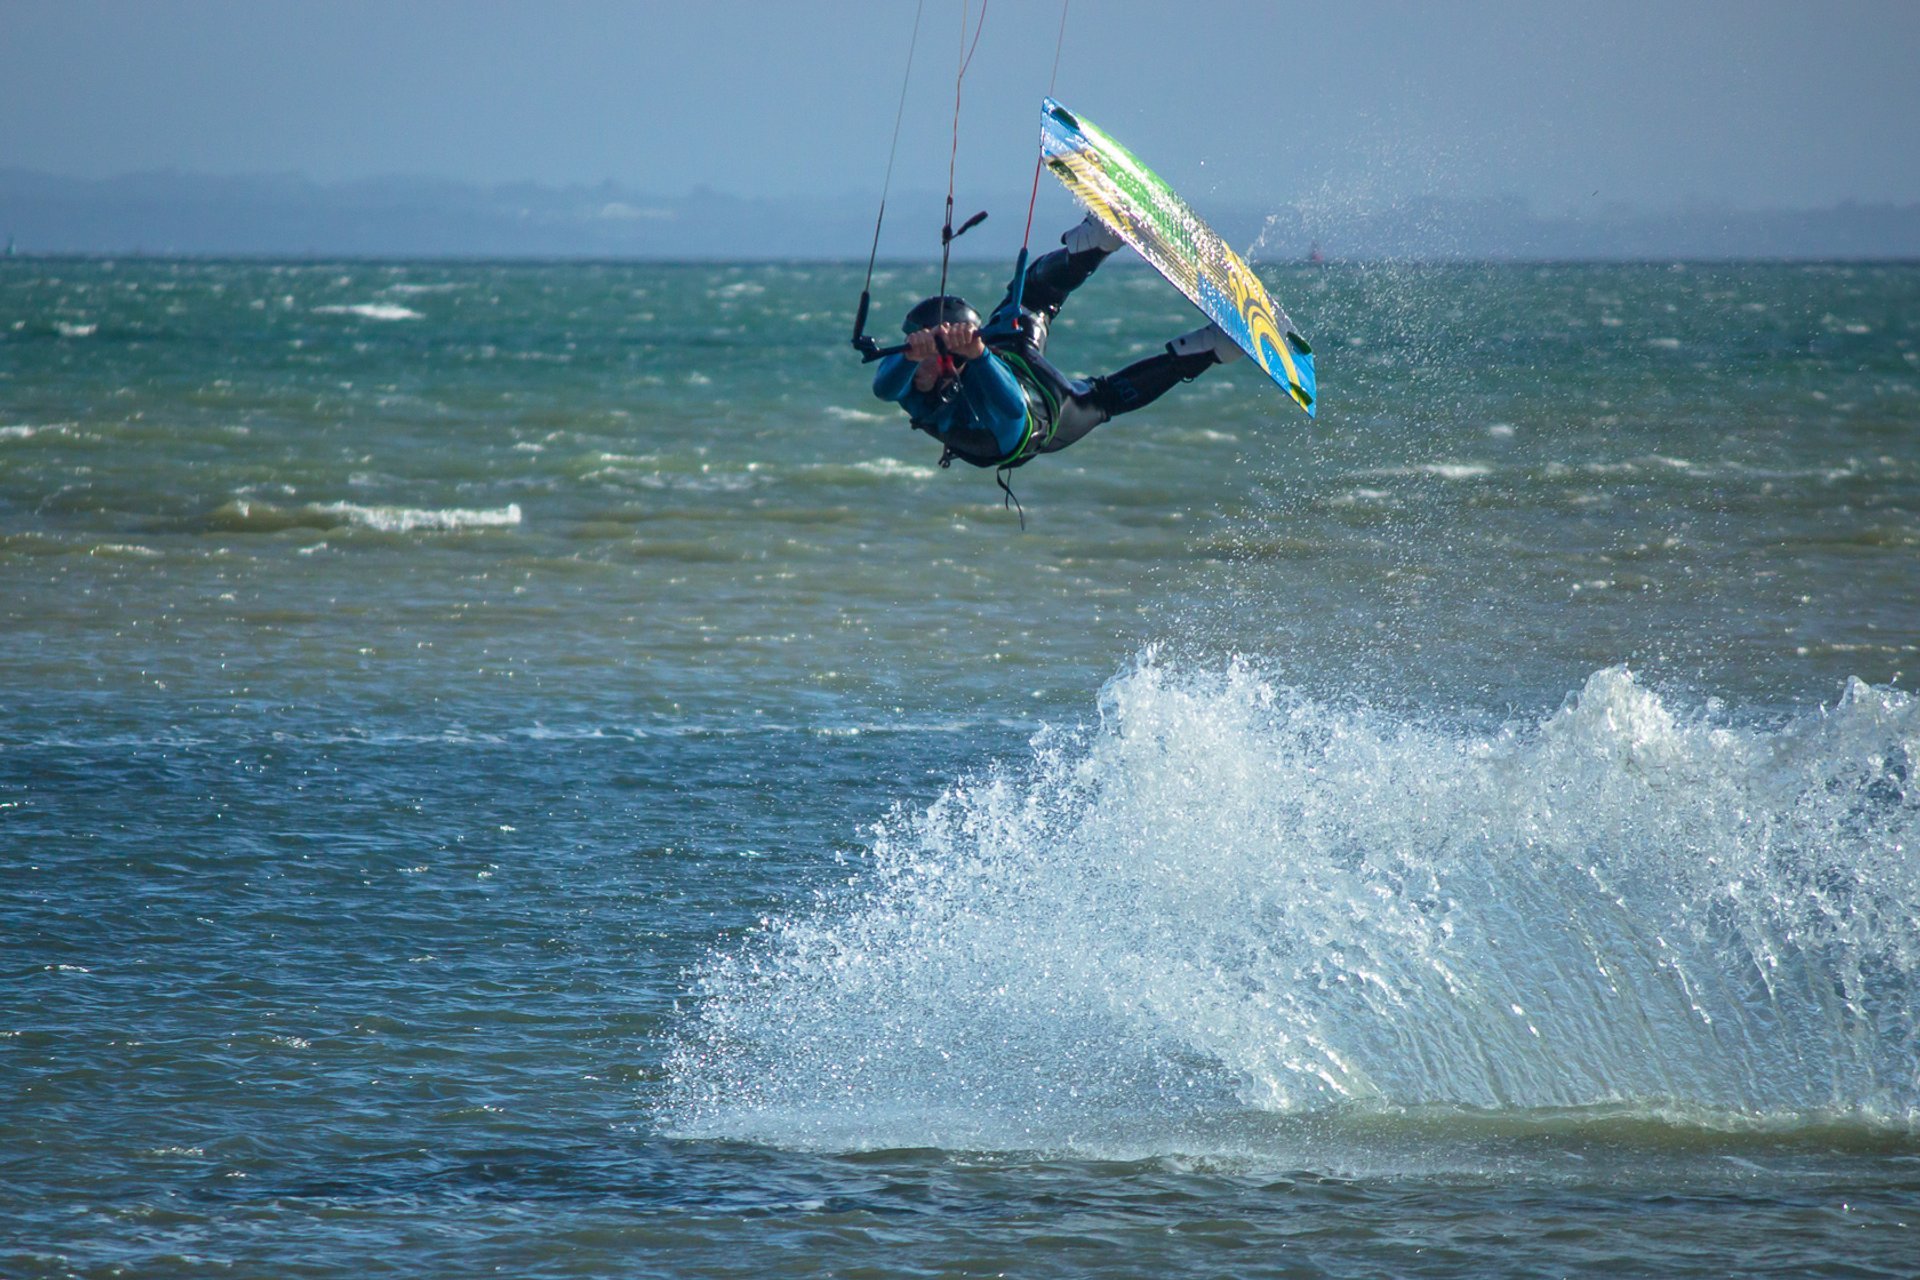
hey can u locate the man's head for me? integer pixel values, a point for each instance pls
(938, 310)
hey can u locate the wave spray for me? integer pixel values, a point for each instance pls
(1229, 905)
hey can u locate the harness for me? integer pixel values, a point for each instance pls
(1043, 411)
(1042, 386)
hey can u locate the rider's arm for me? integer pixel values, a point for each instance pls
(922, 361)
(894, 381)
(996, 398)
(893, 377)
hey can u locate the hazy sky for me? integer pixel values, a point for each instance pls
(1562, 102)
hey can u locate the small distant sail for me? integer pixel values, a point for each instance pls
(1142, 210)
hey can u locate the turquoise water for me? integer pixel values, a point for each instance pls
(529, 767)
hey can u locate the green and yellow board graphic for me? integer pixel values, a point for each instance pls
(1143, 210)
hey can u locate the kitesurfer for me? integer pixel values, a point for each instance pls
(987, 392)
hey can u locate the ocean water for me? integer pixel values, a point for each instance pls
(529, 769)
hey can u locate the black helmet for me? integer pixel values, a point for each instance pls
(941, 309)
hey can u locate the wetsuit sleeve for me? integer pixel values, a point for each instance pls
(894, 377)
(893, 380)
(996, 399)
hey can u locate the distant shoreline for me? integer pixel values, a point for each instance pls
(287, 217)
(642, 260)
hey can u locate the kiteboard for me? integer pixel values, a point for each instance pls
(1140, 208)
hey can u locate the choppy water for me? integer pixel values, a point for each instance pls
(528, 768)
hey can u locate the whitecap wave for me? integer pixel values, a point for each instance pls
(251, 515)
(894, 468)
(371, 311)
(408, 519)
(1438, 470)
(883, 468)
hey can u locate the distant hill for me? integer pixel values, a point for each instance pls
(282, 215)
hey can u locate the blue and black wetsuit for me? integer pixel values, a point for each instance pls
(1011, 405)
(984, 416)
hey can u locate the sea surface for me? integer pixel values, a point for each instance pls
(529, 769)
